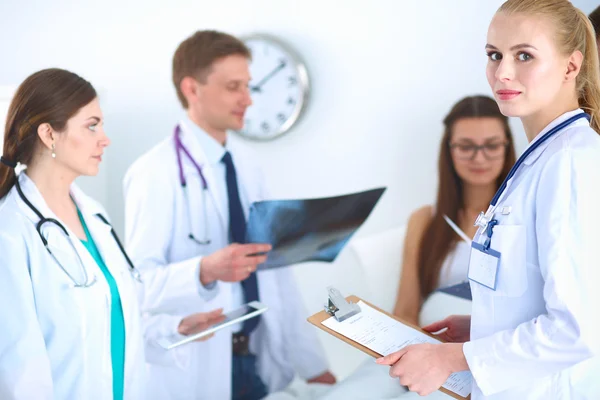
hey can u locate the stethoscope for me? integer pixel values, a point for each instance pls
(486, 221)
(86, 282)
(180, 148)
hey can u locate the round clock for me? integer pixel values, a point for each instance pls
(279, 88)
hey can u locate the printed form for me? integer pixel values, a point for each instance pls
(385, 335)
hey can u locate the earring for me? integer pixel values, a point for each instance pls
(53, 153)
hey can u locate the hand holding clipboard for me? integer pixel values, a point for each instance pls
(378, 333)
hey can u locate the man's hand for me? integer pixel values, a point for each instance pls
(326, 378)
(233, 263)
(200, 321)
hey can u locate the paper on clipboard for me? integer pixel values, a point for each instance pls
(384, 335)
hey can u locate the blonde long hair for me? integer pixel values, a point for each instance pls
(574, 31)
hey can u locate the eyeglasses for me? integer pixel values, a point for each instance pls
(468, 151)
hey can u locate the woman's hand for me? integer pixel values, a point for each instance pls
(326, 378)
(200, 321)
(423, 368)
(456, 328)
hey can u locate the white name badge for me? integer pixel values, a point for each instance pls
(483, 265)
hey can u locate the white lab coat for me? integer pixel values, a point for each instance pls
(55, 339)
(537, 336)
(157, 228)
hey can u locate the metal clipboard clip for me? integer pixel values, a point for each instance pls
(338, 307)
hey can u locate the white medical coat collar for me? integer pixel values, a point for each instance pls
(538, 152)
(34, 196)
(213, 150)
(98, 229)
(89, 208)
(193, 145)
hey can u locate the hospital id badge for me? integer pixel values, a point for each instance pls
(483, 265)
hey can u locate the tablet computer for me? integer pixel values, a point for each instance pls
(247, 311)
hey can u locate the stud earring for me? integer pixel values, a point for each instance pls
(53, 153)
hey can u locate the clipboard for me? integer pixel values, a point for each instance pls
(344, 310)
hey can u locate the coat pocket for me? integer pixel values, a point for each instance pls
(511, 242)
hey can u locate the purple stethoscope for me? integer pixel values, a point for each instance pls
(179, 149)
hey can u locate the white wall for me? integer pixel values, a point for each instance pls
(6, 93)
(384, 73)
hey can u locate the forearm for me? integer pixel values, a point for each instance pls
(407, 310)
(409, 317)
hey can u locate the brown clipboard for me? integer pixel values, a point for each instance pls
(318, 318)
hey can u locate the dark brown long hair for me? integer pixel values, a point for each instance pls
(439, 239)
(50, 96)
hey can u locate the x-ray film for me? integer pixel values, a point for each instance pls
(308, 229)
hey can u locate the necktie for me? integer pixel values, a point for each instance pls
(237, 228)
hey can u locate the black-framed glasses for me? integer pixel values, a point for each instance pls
(468, 151)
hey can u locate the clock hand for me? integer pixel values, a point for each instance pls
(267, 77)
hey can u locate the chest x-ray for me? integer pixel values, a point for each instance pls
(308, 229)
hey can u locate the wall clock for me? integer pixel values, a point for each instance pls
(279, 88)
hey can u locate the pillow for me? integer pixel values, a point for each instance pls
(380, 257)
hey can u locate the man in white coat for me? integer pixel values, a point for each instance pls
(187, 201)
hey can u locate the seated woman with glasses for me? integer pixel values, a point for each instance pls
(476, 154)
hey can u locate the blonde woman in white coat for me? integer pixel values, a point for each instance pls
(533, 333)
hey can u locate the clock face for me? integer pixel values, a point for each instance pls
(279, 89)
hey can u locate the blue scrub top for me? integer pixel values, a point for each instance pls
(117, 322)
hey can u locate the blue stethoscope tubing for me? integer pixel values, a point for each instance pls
(482, 219)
